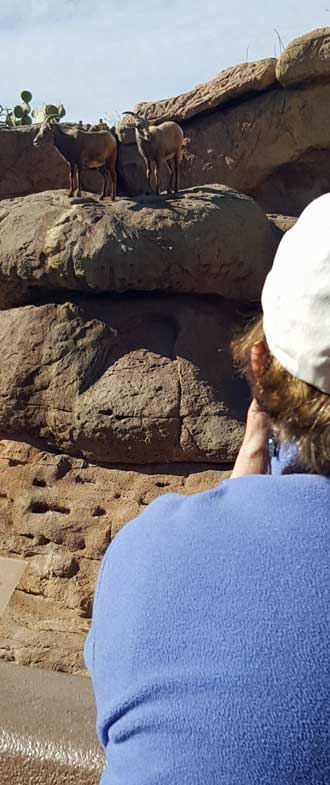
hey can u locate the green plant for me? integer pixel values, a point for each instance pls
(21, 113)
(39, 115)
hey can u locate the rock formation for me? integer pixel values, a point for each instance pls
(232, 84)
(306, 59)
(260, 128)
(110, 395)
(116, 379)
(59, 513)
(189, 243)
(144, 381)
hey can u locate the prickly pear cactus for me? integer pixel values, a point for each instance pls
(21, 113)
(26, 96)
(48, 110)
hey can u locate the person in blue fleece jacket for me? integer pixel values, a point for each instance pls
(209, 649)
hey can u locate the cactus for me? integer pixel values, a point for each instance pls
(26, 96)
(39, 115)
(21, 113)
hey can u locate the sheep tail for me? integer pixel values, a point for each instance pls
(115, 134)
(185, 144)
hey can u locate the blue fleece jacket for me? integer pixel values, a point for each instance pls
(210, 643)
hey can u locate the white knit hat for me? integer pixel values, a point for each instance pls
(296, 298)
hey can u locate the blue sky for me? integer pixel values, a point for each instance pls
(99, 58)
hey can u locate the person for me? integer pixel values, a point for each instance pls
(209, 645)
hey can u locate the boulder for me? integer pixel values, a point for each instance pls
(205, 240)
(243, 129)
(305, 59)
(279, 139)
(59, 514)
(25, 169)
(147, 380)
(229, 85)
(290, 187)
(281, 223)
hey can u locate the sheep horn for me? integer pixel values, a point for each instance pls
(142, 119)
(49, 120)
(138, 117)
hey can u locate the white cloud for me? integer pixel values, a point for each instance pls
(104, 57)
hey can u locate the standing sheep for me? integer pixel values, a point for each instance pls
(82, 150)
(158, 143)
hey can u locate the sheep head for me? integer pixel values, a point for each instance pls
(45, 134)
(141, 125)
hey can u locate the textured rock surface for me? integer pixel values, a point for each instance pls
(245, 130)
(282, 223)
(264, 139)
(160, 390)
(229, 85)
(305, 59)
(59, 514)
(274, 146)
(208, 239)
(25, 170)
(293, 185)
(111, 399)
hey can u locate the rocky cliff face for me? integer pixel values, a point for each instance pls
(59, 513)
(260, 128)
(116, 379)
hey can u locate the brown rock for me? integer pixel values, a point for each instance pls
(267, 139)
(229, 85)
(305, 59)
(131, 168)
(26, 170)
(208, 239)
(272, 144)
(282, 222)
(291, 186)
(161, 391)
(59, 515)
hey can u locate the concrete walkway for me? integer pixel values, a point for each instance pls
(47, 729)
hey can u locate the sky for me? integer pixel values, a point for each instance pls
(100, 58)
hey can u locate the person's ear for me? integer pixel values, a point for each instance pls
(258, 353)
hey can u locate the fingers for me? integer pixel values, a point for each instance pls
(258, 422)
(253, 457)
(257, 359)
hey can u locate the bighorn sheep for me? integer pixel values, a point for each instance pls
(82, 150)
(100, 126)
(159, 143)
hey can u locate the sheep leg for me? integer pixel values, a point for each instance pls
(112, 172)
(148, 173)
(72, 178)
(104, 172)
(78, 173)
(105, 184)
(176, 167)
(171, 170)
(157, 178)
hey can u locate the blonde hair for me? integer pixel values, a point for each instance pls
(300, 412)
